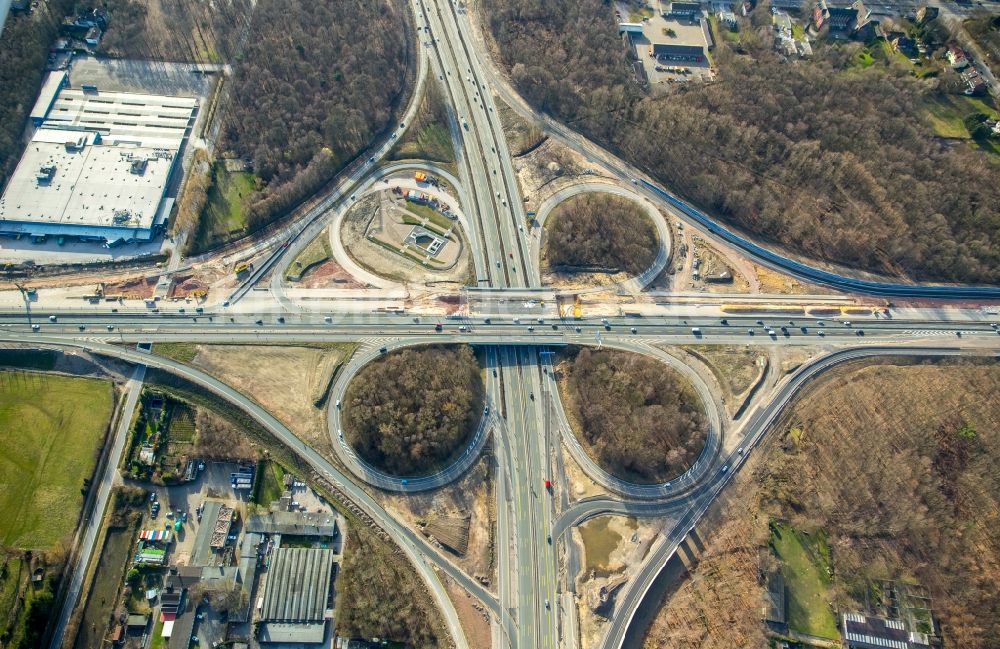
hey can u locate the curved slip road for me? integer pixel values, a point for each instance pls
(670, 489)
(699, 501)
(632, 284)
(375, 477)
(421, 554)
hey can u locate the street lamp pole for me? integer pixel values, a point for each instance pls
(27, 302)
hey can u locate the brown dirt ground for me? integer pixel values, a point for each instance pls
(579, 484)
(880, 411)
(285, 380)
(328, 274)
(132, 288)
(186, 285)
(473, 493)
(718, 601)
(475, 621)
(634, 539)
(736, 367)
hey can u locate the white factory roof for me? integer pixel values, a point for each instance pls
(124, 114)
(92, 185)
(50, 88)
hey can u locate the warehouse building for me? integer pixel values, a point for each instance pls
(298, 596)
(670, 52)
(99, 165)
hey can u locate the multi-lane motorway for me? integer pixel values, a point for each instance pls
(525, 421)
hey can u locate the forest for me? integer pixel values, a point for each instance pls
(175, 30)
(380, 596)
(913, 497)
(600, 231)
(640, 419)
(316, 83)
(24, 50)
(831, 161)
(409, 411)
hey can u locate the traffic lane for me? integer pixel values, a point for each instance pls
(412, 544)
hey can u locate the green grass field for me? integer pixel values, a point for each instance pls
(223, 217)
(157, 641)
(50, 430)
(947, 112)
(182, 423)
(314, 254)
(183, 352)
(270, 484)
(431, 142)
(805, 567)
(430, 214)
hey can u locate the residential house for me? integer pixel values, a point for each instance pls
(957, 57)
(974, 82)
(844, 22)
(927, 14)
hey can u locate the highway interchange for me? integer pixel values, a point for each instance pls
(526, 423)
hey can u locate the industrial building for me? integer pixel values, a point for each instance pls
(671, 52)
(872, 632)
(297, 596)
(98, 166)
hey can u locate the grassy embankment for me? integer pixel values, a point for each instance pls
(223, 218)
(311, 256)
(51, 429)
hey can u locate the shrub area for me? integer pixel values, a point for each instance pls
(834, 162)
(878, 472)
(380, 596)
(638, 418)
(316, 83)
(600, 232)
(410, 411)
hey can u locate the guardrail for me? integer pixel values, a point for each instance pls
(818, 275)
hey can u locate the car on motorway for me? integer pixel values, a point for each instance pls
(725, 468)
(437, 327)
(634, 330)
(111, 327)
(821, 333)
(328, 319)
(258, 322)
(770, 332)
(531, 328)
(578, 330)
(382, 350)
(859, 332)
(750, 332)
(52, 318)
(548, 485)
(35, 327)
(724, 322)
(83, 327)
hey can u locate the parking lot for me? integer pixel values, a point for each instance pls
(183, 499)
(671, 31)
